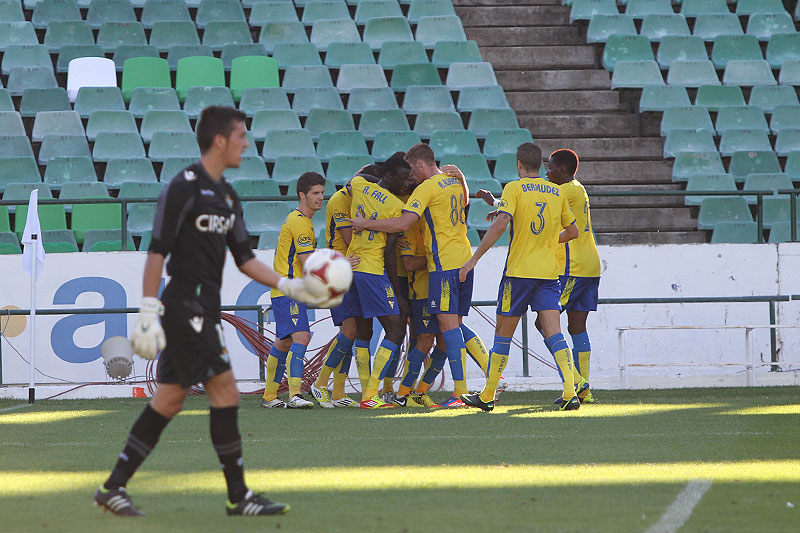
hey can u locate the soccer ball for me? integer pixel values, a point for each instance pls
(327, 273)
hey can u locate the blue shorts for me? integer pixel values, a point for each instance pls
(291, 316)
(339, 313)
(447, 295)
(579, 294)
(517, 294)
(422, 320)
(369, 296)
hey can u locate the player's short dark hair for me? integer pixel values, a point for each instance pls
(308, 180)
(396, 163)
(567, 158)
(530, 155)
(372, 173)
(421, 152)
(216, 120)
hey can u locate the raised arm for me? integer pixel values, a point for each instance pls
(386, 225)
(490, 237)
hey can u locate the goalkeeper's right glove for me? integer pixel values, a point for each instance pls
(148, 337)
(295, 288)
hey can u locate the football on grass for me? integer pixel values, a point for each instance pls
(327, 273)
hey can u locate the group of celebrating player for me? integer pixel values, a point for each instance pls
(407, 206)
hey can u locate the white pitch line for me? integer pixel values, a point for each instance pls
(681, 508)
(15, 407)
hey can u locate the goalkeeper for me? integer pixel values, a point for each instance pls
(198, 216)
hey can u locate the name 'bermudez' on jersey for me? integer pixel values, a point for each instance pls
(196, 219)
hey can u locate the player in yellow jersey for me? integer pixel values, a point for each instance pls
(540, 219)
(338, 234)
(438, 202)
(296, 241)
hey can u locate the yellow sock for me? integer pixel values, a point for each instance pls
(294, 386)
(402, 390)
(270, 387)
(362, 364)
(338, 383)
(479, 354)
(388, 384)
(497, 363)
(325, 371)
(382, 357)
(583, 358)
(460, 386)
(422, 387)
(564, 360)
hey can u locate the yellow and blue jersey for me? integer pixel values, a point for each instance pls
(579, 257)
(373, 202)
(439, 202)
(336, 215)
(538, 213)
(296, 238)
(413, 244)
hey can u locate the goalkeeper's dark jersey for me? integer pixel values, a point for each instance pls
(196, 219)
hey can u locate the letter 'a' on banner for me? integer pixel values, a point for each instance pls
(33, 264)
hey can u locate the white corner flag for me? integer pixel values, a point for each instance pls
(33, 246)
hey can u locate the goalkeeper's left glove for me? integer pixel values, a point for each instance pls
(148, 337)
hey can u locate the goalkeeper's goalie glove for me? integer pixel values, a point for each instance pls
(148, 338)
(295, 288)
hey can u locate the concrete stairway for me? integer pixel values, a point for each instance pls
(555, 83)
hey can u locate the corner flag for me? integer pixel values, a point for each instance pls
(33, 245)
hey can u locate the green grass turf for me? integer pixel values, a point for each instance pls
(613, 466)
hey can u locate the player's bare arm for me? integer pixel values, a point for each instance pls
(415, 262)
(387, 225)
(153, 268)
(568, 233)
(492, 234)
(347, 236)
(261, 273)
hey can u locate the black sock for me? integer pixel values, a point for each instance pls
(228, 444)
(141, 440)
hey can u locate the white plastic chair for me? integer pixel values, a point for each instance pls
(90, 72)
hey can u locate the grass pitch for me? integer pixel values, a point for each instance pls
(613, 466)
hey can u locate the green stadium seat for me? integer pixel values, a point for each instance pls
(360, 77)
(8, 248)
(490, 97)
(751, 7)
(5, 228)
(715, 97)
(266, 120)
(711, 25)
(273, 33)
(753, 162)
(219, 33)
(47, 11)
(474, 237)
(362, 100)
(505, 141)
(50, 217)
(103, 239)
(11, 11)
(233, 51)
(693, 8)
(17, 33)
(481, 121)
(722, 209)
(320, 120)
(198, 98)
(73, 51)
(735, 232)
(62, 146)
(634, 74)
(661, 97)
(324, 10)
(296, 54)
(288, 168)
(25, 56)
(405, 75)
(686, 118)
(394, 53)
(688, 141)
(140, 219)
(420, 98)
(92, 99)
(447, 52)
(340, 53)
(22, 192)
(135, 169)
(790, 73)
(219, 10)
(743, 140)
(179, 51)
(198, 72)
(708, 182)
(308, 98)
(379, 30)
(475, 169)
(18, 169)
(251, 167)
(124, 52)
(458, 142)
(268, 240)
(59, 241)
(429, 8)
(165, 144)
(144, 243)
(266, 216)
(741, 117)
(431, 30)
(171, 166)
(11, 124)
(765, 182)
(374, 121)
(146, 99)
(783, 47)
(728, 47)
(113, 145)
(113, 34)
(326, 32)
(692, 73)
(461, 75)
(793, 165)
(256, 187)
(279, 143)
(476, 217)
(785, 117)
(681, 48)
(172, 121)
(748, 73)
(168, 33)
(343, 167)
(781, 232)
(315, 76)
(110, 121)
(149, 190)
(22, 78)
(255, 99)
(265, 12)
(641, 8)
(586, 9)
(656, 27)
(429, 121)
(148, 72)
(164, 11)
(627, 48)
(252, 72)
(78, 190)
(63, 170)
(368, 9)
(15, 146)
(388, 142)
(333, 143)
(765, 25)
(787, 141)
(101, 11)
